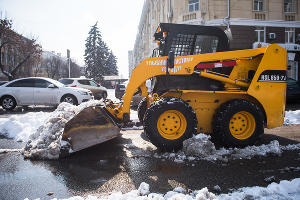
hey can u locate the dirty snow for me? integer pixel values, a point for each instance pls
(200, 147)
(280, 191)
(46, 142)
(291, 147)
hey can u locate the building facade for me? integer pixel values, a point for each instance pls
(252, 23)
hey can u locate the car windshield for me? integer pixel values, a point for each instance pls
(92, 83)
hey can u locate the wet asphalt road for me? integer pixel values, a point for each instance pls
(123, 163)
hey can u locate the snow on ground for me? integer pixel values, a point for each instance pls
(292, 117)
(200, 147)
(46, 142)
(281, 191)
(42, 131)
(20, 127)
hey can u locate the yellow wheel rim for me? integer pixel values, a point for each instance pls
(171, 124)
(242, 125)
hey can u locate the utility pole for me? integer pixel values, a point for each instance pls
(69, 63)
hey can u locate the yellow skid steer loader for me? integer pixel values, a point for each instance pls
(198, 86)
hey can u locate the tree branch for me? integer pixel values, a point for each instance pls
(20, 64)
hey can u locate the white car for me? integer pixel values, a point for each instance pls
(40, 91)
(98, 91)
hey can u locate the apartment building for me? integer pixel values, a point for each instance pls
(253, 23)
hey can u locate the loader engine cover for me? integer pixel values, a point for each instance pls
(90, 127)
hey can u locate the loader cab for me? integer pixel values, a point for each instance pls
(185, 39)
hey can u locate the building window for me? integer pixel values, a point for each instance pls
(289, 35)
(193, 5)
(260, 34)
(289, 6)
(258, 5)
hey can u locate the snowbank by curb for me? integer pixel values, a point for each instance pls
(200, 147)
(280, 191)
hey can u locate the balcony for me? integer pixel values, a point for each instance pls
(259, 15)
(289, 17)
(189, 16)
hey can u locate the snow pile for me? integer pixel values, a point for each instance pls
(283, 190)
(20, 127)
(200, 147)
(47, 142)
(143, 193)
(291, 147)
(292, 117)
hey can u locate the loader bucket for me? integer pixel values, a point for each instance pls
(90, 127)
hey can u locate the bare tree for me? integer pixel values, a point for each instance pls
(74, 67)
(36, 69)
(16, 51)
(53, 66)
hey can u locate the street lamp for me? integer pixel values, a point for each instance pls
(68, 56)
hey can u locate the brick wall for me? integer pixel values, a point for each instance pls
(280, 34)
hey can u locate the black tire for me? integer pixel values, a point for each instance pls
(141, 110)
(104, 95)
(8, 103)
(69, 99)
(155, 115)
(238, 123)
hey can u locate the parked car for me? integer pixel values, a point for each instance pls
(120, 90)
(40, 91)
(136, 99)
(293, 90)
(3, 82)
(98, 91)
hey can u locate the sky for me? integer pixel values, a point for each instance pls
(59, 25)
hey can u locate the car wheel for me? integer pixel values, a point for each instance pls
(238, 123)
(104, 95)
(8, 103)
(69, 99)
(168, 122)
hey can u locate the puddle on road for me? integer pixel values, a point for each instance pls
(20, 179)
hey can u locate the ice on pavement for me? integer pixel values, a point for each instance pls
(281, 191)
(46, 142)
